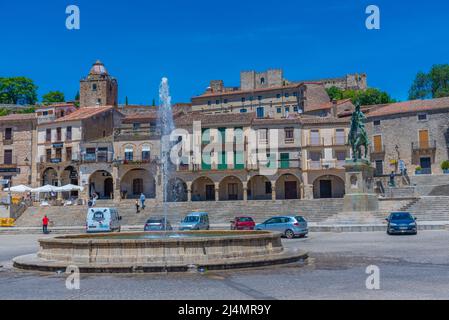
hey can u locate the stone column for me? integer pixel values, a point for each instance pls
(189, 195)
(245, 191)
(217, 191)
(273, 190)
(115, 177)
(189, 191)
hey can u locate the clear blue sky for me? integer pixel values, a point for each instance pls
(192, 42)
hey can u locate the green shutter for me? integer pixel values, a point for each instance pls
(239, 163)
(222, 165)
(285, 160)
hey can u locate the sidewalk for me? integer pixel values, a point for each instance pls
(313, 227)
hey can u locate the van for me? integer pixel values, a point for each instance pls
(103, 220)
(195, 221)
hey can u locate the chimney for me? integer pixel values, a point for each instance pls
(334, 108)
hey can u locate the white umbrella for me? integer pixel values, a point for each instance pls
(71, 187)
(19, 189)
(45, 189)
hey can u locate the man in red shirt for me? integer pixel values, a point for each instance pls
(45, 222)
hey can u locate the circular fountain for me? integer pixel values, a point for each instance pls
(160, 252)
(164, 251)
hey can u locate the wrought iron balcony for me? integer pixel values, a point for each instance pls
(424, 146)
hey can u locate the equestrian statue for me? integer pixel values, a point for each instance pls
(357, 135)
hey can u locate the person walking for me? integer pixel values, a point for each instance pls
(45, 222)
(137, 206)
(142, 200)
(94, 199)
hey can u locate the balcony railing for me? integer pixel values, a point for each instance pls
(281, 164)
(55, 159)
(340, 141)
(8, 162)
(315, 142)
(98, 157)
(424, 145)
(124, 134)
(324, 164)
(8, 142)
(135, 160)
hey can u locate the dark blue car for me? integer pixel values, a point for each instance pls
(402, 223)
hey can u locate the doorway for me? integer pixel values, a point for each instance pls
(325, 189)
(137, 187)
(426, 165)
(210, 192)
(108, 188)
(291, 190)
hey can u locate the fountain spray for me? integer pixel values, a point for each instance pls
(166, 125)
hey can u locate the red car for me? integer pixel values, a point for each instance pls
(243, 223)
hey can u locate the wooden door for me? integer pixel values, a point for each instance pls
(424, 139)
(377, 143)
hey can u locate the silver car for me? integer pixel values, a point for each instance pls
(289, 226)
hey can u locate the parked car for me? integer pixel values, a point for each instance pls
(158, 224)
(289, 226)
(401, 223)
(103, 220)
(195, 221)
(243, 223)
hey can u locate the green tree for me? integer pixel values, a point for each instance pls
(77, 99)
(126, 100)
(335, 93)
(372, 96)
(18, 90)
(421, 87)
(53, 97)
(365, 97)
(434, 84)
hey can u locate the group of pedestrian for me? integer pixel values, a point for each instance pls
(140, 205)
(93, 200)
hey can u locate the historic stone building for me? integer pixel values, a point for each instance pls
(18, 148)
(415, 132)
(59, 154)
(324, 151)
(98, 88)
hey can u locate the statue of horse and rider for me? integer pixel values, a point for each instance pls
(357, 135)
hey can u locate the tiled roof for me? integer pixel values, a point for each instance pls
(19, 117)
(143, 116)
(84, 113)
(210, 119)
(324, 120)
(412, 106)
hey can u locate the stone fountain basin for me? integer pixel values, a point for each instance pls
(156, 252)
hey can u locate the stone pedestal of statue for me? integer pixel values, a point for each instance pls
(360, 195)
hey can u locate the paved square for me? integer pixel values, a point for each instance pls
(411, 267)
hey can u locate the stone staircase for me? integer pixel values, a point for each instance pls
(220, 212)
(317, 211)
(430, 208)
(426, 184)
